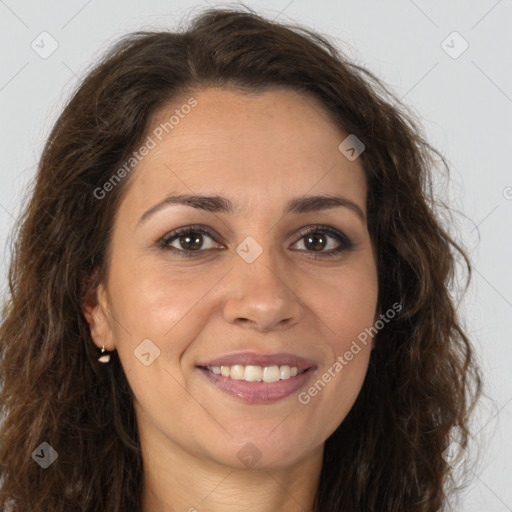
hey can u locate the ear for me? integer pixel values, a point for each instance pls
(97, 313)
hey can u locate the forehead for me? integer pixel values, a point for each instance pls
(246, 122)
(259, 146)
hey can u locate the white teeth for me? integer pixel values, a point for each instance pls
(251, 373)
(271, 374)
(237, 372)
(284, 372)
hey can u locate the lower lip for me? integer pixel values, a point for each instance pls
(258, 392)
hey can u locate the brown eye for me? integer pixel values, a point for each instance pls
(316, 240)
(187, 241)
(190, 241)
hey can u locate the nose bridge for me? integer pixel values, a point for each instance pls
(262, 297)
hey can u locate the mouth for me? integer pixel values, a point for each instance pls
(252, 373)
(258, 379)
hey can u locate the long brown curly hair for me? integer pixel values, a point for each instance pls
(423, 379)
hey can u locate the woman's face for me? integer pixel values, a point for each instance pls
(254, 289)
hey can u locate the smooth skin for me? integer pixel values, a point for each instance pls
(259, 151)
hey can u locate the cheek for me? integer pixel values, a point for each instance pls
(346, 302)
(354, 315)
(160, 307)
(347, 306)
(160, 303)
(164, 306)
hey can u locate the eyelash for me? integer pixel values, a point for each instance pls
(345, 243)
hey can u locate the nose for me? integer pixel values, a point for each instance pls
(261, 297)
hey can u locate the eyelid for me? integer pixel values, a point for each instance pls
(345, 242)
(194, 228)
(334, 232)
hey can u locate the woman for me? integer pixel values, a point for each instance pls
(230, 288)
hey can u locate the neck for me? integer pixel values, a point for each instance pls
(176, 481)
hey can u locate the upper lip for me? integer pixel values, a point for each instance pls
(254, 359)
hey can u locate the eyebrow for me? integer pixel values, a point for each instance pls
(219, 204)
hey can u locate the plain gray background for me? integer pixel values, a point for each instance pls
(463, 99)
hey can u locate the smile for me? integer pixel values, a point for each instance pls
(257, 378)
(252, 373)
